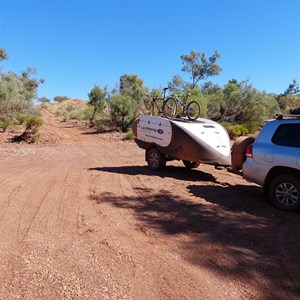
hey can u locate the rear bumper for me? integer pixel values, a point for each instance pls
(254, 172)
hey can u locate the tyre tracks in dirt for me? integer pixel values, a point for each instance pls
(83, 218)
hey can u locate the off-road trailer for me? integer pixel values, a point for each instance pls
(193, 142)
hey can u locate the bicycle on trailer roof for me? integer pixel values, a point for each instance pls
(158, 106)
(172, 104)
(191, 109)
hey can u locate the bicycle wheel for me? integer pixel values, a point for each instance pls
(193, 110)
(170, 108)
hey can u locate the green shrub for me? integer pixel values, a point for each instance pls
(237, 130)
(59, 112)
(70, 107)
(35, 111)
(21, 119)
(129, 135)
(76, 115)
(99, 125)
(127, 124)
(37, 137)
(88, 112)
(5, 123)
(32, 123)
(254, 127)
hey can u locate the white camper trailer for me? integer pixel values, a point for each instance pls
(193, 142)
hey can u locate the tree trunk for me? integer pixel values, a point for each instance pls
(93, 116)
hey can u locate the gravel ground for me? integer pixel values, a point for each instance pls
(82, 217)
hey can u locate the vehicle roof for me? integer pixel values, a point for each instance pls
(270, 127)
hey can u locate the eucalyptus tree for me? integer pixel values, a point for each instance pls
(60, 99)
(122, 109)
(290, 98)
(177, 85)
(132, 85)
(44, 100)
(199, 67)
(3, 54)
(293, 88)
(213, 95)
(240, 102)
(97, 98)
(17, 92)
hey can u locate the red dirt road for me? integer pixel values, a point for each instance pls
(82, 217)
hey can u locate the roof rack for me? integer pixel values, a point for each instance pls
(287, 116)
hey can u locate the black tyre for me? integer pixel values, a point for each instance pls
(155, 159)
(191, 164)
(193, 110)
(170, 108)
(284, 192)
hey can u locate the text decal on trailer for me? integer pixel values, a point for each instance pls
(154, 130)
(148, 128)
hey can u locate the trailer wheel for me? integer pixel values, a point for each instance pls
(155, 159)
(191, 164)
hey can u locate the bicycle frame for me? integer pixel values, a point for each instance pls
(159, 108)
(189, 109)
(154, 102)
(182, 103)
(170, 105)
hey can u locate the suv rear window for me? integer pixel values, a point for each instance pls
(287, 135)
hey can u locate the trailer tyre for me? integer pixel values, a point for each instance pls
(155, 159)
(191, 164)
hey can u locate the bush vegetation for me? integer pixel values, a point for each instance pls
(238, 105)
(32, 123)
(129, 135)
(5, 123)
(237, 130)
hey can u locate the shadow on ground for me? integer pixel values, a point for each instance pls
(180, 173)
(229, 229)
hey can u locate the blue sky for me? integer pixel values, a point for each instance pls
(75, 44)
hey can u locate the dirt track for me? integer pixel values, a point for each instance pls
(82, 217)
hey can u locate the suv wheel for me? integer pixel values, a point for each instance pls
(284, 192)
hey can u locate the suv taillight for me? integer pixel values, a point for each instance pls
(249, 152)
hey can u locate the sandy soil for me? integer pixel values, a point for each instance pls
(82, 217)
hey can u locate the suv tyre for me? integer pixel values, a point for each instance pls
(284, 192)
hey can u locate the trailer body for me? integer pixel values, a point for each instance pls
(199, 141)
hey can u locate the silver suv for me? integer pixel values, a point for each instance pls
(273, 161)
